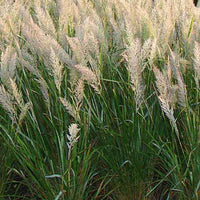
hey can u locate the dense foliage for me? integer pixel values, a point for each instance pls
(99, 99)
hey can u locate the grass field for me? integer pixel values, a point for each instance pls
(99, 100)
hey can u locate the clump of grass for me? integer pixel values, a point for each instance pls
(99, 99)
